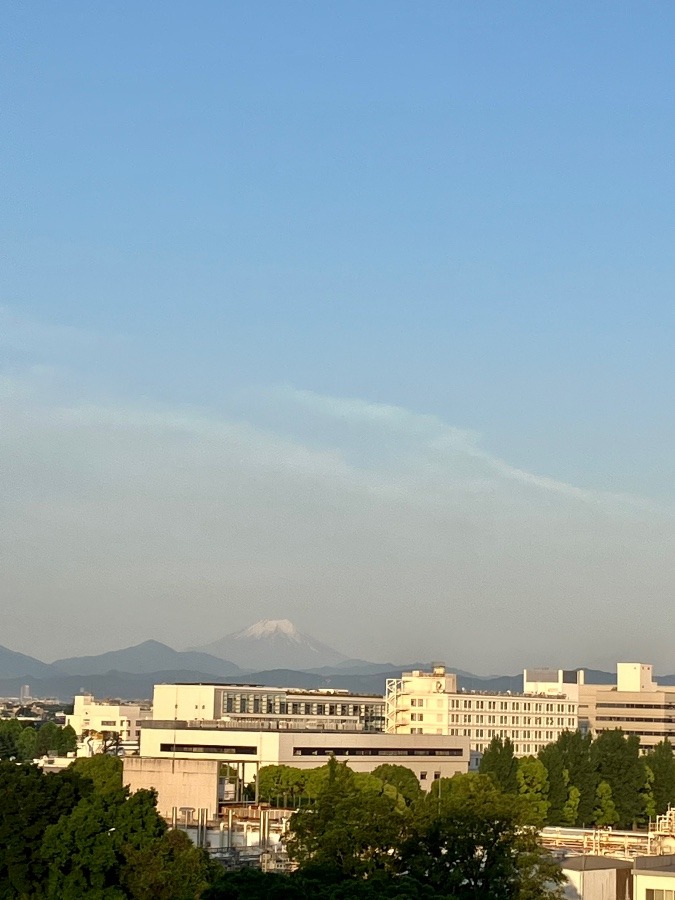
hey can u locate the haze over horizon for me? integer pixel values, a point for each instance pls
(357, 316)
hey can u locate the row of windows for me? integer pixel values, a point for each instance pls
(271, 704)
(208, 748)
(504, 720)
(503, 733)
(652, 721)
(510, 705)
(374, 751)
(519, 749)
(659, 894)
(635, 706)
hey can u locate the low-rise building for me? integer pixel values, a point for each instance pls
(102, 724)
(428, 703)
(636, 704)
(250, 704)
(190, 762)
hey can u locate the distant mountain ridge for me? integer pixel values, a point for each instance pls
(271, 652)
(150, 656)
(13, 664)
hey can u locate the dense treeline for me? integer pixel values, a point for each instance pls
(579, 781)
(379, 835)
(80, 834)
(31, 740)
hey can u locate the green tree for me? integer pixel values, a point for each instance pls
(86, 851)
(469, 820)
(283, 785)
(30, 802)
(66, 740)
(104, 771)
(26, 744)
(347, 832)
(662, 765)
(558, 783)
(8, 743)
(575, 749)
(605, 812)
(533, 789)
(618, 762)
(647, 794)
(570, 811)
(499, 761)
(168, 868)
(402, 778)
(48, 739)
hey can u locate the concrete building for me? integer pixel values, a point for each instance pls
(597, 878)
(250, 705)
(105, 723)
(428, 703)
(184, 761)
(636, 704)
(654, 878)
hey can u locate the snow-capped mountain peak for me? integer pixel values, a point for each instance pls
(273, 644)
(266, 628)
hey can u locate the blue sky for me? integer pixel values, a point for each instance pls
(404, 270)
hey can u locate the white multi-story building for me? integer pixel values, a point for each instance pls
(100, 724)
(427, 703)
(252, 705)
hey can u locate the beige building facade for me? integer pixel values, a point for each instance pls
(256, 705)
(429, 703)
(173, 754)
(98, 723)
(636, 704)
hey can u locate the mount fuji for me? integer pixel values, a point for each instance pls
(273, 644)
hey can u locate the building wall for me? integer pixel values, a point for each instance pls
(644, 882)
(179, 782)
(599, 884)
(429, 757)
(426, 703)
(646, 710)
(91, 715)
(256, 703)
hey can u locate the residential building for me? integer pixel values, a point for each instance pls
(429, 703)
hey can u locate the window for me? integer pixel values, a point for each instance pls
(437, 775)
(423, 776)
(413, 702)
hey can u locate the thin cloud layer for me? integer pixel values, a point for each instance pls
(388, 533)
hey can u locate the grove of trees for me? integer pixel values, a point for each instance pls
(27, 741)
(578, 781)
(80, 834)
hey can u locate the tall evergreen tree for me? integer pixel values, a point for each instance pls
(533, 790)
(618, 762)
(558, 781)
(575, 749)
(662, 764)
(605, 812)
(500, 763)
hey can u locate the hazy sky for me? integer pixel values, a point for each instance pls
(358, 314)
